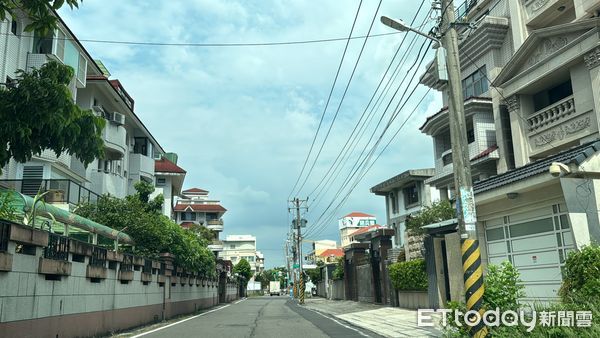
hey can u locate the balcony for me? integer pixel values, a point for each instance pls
(142, 165)
(542, 13)
(38, 60)
(215, 224)
(109, 183)
(551, 115)
(114, 137)
(215, 246)
(60, 191)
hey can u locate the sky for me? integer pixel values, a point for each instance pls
(242, 119)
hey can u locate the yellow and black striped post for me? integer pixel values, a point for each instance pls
(296, 289)
(473, 275)
(301, 289)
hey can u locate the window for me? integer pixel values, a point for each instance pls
(188, 216)
(232, 246)
(14, 27)
(411, 195)
(161, 182)
(475, 84)
(141, 146)
(394, 203)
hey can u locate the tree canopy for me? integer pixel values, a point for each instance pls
(152, 232)
(243, 269)
(38, 113)
(39, 12)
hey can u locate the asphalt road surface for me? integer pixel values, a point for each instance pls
(261, 317)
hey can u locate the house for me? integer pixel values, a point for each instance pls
(236, 247)
(317, 249)
(406, 194)
(358, 235)
(532, 136)
(352, 222)
(169, 181)
(195, 208)
(129, 147)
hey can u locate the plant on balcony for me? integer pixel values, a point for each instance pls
(39, 12)
(152, 232)
(38, 113)
(437, 212)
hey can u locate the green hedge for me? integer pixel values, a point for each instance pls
(409, 276)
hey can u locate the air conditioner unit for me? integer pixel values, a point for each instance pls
(118, 118)
(98, 110)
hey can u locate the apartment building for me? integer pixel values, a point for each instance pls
(529, 69)
(130, 148)
(352, 222)
(236, 247)
(196, 208)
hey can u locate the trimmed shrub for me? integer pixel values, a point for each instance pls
(409, 276)
(581, 276)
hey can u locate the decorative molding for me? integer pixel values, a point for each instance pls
(561, 132)
(537, 5)
(592, 59)
(547, 47)
(513, 103)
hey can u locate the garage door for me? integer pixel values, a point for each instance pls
(536, 243)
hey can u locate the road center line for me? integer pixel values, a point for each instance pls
(181, 321)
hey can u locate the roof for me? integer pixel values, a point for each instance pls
(200, 207)
(485, 152)
(196, 191)
(332, 252)
(358, 214)
(366, 229)
(187, 225)
(576, 155)
(165, 166)
(403, 178)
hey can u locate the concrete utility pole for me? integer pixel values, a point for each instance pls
(465, 202)
(298, 224)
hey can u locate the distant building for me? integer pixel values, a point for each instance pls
(318, 247)
(352, 222)
(236, 247)
(197, 209)
(169, 181)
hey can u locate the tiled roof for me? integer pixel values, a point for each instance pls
(187, 225)
(332, 252)
(366, 229)
(165, 166)
(195, 190)
(200, 207)
(575, 155)
(485, 152)
(358, 214)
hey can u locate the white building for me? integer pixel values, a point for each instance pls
(129, 147)
(169, 181)
(352, 222)
(236, 247)
(541, 107)
(318, 247)
(195, 208)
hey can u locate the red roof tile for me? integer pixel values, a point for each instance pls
(485, 152)
(200, 207)
(196, 190)
(332, 252)
(358, 214)
(165, 166)
(366, 229)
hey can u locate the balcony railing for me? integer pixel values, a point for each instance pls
(551, 114)
(4, 235)
(147, 268)
(58, 248)
(60, 191)
(215, 245)
(215, 224)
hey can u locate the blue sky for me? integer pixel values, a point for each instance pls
(242, 118)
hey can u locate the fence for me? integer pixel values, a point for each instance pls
(58, 248)
(127, 264)
(59, 191)
(4, 235)
(98, 257)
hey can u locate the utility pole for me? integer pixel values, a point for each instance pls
(465, 202)
(298, 224)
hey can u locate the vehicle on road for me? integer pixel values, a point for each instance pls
(274, 288)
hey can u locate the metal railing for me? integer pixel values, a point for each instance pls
(60, 191)
(4, 235)
(58, 247)
(147, 268)
(127, 264)
(98, 256)
(163, 269)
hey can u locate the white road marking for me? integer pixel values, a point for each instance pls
(241, 300)
(339, 323)
(181, 321)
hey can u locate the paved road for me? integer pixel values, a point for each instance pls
(261, 317)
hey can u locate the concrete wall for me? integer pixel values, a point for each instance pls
(413, 300)
(33, 304)
(337, 291)
(364, 285)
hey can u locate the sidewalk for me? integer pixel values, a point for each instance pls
(383, 320)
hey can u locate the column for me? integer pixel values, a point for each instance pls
(592, 61)
(519, 130)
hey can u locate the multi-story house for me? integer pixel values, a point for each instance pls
(236, 247)
(260, 262)
(195, 208)
(169, 181)
(129, 147)
(318, 247)
(352, 222)
(406, 194)
(538, 114)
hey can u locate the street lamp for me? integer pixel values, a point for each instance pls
(399, 25)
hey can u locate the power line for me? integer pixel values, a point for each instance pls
(341, 100)
(328, 99)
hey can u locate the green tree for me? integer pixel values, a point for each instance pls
(437, 212)
(314, 275)
(581, 276)
(40, 12)
(243, 269)
(39, 113)
(338, 273)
